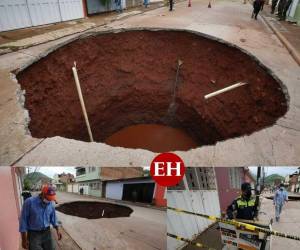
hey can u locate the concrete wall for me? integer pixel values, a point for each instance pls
(9, 224)
(226, 193)
(185, 225)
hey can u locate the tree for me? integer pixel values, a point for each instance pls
(27, 184)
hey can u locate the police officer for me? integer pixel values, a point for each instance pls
(245, 206)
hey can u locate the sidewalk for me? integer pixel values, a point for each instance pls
(289, 223)
(290, 31)
(15, 40)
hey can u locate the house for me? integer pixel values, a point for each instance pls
(10, 188)
(139, 189)
(19, 14)
(204, 190)
(229, 182)
(118, 183)
(89, 180)
(60, 181)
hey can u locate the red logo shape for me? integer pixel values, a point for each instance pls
(167, 169)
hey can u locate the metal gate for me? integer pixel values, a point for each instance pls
(16, 14)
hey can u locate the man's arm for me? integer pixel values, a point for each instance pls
(274, 198)
(231, 209)
(53, 221)
(286, 196)
(23, 226)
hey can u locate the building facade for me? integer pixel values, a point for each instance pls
(10, 190)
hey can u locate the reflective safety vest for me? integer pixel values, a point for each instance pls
(246, 210)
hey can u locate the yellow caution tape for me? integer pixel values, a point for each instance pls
(238, 224)
(197, 244)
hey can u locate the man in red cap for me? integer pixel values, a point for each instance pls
(37, 214)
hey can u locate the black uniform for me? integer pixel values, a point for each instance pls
(286, 8)
(171, 2)
(281, 5)
(274, 3)
(256, 8)
(246, 209)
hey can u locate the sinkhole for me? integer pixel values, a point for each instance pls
(136, 97)
(94, 210)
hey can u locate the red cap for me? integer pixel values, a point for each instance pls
(49, 193)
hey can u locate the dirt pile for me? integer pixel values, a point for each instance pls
(94, 210)
(128, 79)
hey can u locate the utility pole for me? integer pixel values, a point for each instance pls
(258, 186)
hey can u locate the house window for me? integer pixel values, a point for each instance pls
(95, 185)
(200, 178)
(92, 169)
(235, 178)
(80, 171)
(197, 179)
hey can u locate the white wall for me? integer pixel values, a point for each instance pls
(185, 225)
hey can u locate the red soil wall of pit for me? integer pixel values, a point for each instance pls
(127, 78)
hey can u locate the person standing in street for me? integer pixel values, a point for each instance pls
(171, 2)
(256, 8)
(285, 9)
(146, 3)
(280, 198)
(273, 7)
(38, 213)
(281, 5)
(245, 206)
(262, 4)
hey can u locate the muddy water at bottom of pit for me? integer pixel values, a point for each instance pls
(153, 137)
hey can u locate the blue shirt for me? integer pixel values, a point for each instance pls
(280, 197)
(37, 215)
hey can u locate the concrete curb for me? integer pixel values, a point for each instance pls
(293, 52)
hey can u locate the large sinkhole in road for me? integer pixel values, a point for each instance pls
(94, 210)
(128, 83)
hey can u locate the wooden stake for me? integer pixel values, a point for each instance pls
(224, 90)
(82, 102)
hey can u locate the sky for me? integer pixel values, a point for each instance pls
(283, 171)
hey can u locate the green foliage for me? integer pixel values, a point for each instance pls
(27, 184)
(271, 178)
(34, 177)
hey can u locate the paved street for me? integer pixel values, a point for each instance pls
(144, 229)
(227, 20)
(289, 223)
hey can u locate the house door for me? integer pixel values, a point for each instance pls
(138, 192)
(44, 11)
(14, 14)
